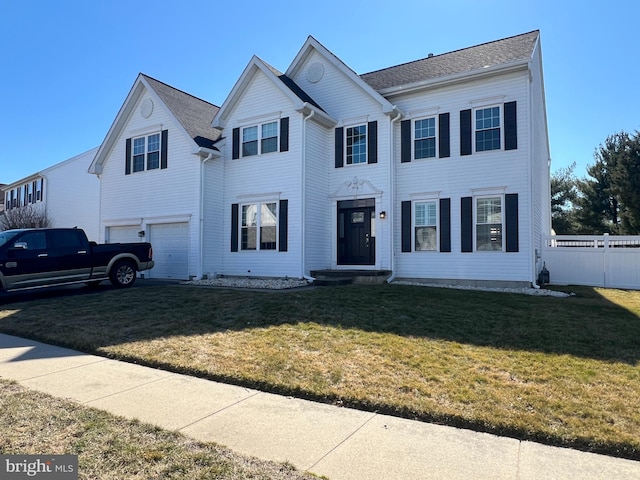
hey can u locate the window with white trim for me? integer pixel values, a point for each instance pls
(260, 139)
(487, 129)
(146, 152)
(489, 226)
(259, 225)
(356, 144)
(425, 226)
(424, 138)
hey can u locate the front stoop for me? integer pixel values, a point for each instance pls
(346, 277)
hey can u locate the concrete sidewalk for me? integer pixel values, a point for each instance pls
(340, 443)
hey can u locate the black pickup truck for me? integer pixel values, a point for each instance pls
(45, 257)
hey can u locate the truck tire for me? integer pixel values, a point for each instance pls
(123, 274)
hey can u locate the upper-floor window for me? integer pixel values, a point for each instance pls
(356, 144)
(24, 194)
(260, 139)
(489, 223)
(146, 151)
(267, 137)
(487, 128)
(424, 138)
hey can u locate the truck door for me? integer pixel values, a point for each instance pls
(25, 264)
(69, 255)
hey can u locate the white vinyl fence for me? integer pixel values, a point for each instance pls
(594, 260)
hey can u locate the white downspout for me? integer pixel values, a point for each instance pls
(303, 200)
(392, 200)
(534, 280)
(201, 217)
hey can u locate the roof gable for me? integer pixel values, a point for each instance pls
(298, 97)
(312, 45)
(191, 113)
(506, 51)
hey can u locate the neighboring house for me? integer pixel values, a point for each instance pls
(435, 170)
(150, 167)
(65, 193)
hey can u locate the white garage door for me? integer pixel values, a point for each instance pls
(127, 234)
(170, 242)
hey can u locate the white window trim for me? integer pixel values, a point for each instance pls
(413, 137)
(145, 159)
(423, 198)
(259, 126)
(364, 124)
(475, 222)
(473, 127)
(258, 226)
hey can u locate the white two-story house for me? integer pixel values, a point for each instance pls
(435, 170)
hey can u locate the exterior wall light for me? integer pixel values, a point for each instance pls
(383, 215)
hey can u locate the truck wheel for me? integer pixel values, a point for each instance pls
(123, 274)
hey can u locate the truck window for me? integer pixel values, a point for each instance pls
(63, 239)
(33, 240)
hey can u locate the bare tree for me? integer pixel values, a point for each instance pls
(24, 217)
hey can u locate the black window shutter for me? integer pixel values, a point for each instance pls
(127, 157)
(33, 189)
(372, 142)
(444, 144)
(283, 223)
(445, 224)
(510, 126)
(284, 134)
(234, 227)
(235, 144)
(405, 141)
(164, 148)
(511, 221)
(466, 224)
(465, 132)
(406, 226)
(339, 147)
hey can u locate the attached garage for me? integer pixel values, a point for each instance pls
(170, 243)
(123, 234)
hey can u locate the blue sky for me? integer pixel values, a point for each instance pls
(67, 66)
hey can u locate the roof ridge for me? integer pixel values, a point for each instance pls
(177, 89)
(452, 51)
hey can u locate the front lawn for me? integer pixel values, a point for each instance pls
(563, 371)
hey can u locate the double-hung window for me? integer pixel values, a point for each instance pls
(260, 139)
(489, 223)
(424, 138)
(356, 144)
(258, 230)
(425, 226)
(487, 128)
(146, 150)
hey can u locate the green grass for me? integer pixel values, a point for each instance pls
(112, 448)
(564, 371)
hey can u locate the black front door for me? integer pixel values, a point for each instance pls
(356, 233)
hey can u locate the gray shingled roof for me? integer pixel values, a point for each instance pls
(499, 52)
(194, 114)
(293, 86)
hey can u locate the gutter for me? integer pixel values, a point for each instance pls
(303, 199)
(210, 154)
(392, 193)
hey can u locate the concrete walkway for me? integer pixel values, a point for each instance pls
(340, 443)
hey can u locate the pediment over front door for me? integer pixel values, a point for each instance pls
(357, 188)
